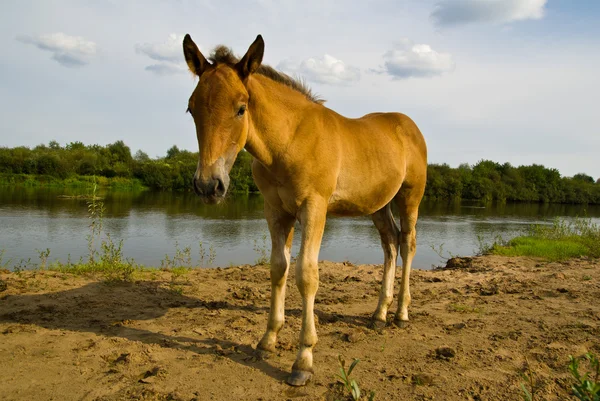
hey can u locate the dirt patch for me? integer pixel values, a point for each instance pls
(472, 327)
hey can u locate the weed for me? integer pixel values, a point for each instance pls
(182, 258)
(4, 264)
(586, 387)
(528, 395)
(202, 254)
(112, 263)
(484, 247)
(95, 214)
(43, 255)
(262, 251)
(440, 252)
(22, 265)
(587, 278)
(212, 254)
(350, 384)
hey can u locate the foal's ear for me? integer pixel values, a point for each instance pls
(194, 59)
(252, 59)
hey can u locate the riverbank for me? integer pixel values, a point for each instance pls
(73, 181)
(184, 335)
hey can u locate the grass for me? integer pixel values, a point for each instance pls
(349, 384)
(560, 241)
(585, 387)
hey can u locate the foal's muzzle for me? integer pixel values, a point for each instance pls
(212, 189)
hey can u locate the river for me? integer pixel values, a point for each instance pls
(152, 223)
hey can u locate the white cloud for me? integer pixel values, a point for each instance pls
(169, 55)
(407, 60)
(459, 12)
(324, 70)
(68, 51)
(166, 68)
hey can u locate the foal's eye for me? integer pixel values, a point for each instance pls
(241, 111)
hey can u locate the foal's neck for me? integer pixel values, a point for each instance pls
(275, 113)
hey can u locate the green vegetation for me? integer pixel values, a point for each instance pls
(75, 164)
(488, 180)
(528, 394)
(586, 387)
(78, 165)
(562, 240)
(262, 250)
(350, 384)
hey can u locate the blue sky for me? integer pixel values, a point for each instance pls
(506, 80)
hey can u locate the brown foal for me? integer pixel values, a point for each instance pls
(308, 161)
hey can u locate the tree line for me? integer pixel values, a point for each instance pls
(486, 180)
(172, 172)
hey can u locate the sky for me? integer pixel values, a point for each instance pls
(504, 80)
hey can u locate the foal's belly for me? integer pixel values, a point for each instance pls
(361, 201)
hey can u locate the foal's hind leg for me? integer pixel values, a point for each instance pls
(408, 202)
(281, 227)
(390, 237)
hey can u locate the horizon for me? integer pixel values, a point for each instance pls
(497, 80)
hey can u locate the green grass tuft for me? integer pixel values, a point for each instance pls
(560, 241)
(552, 249)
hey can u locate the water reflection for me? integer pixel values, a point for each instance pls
(150, 223)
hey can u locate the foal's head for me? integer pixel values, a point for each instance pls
(219, 106)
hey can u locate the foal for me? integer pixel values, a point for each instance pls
(308, 161)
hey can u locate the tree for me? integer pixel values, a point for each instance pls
(141, 157)
(583, 177)
(173, 152)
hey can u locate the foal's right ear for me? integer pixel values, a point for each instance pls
(194, 59)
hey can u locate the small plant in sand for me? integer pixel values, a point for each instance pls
(485, 247)
(261, 249)
(110, 261)
(4, 264)
(95, 213)
(43, 255)
(212, 254)
(586, 386)
(527, 376)
(350, 384)
(440, 252)
(181, 259)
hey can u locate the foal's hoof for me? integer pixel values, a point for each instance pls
(378, 324)
(262, 354)
(299, 378)
(401, 323)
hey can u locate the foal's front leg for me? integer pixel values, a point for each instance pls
(312, 219)
(281, 228)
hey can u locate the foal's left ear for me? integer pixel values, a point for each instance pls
(193, 57)
(252, 59)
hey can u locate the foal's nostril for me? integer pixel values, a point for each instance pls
(196, 187)
(219, 187)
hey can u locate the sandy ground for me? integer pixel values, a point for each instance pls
(192, 337)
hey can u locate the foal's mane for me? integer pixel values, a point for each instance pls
(224, 55)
